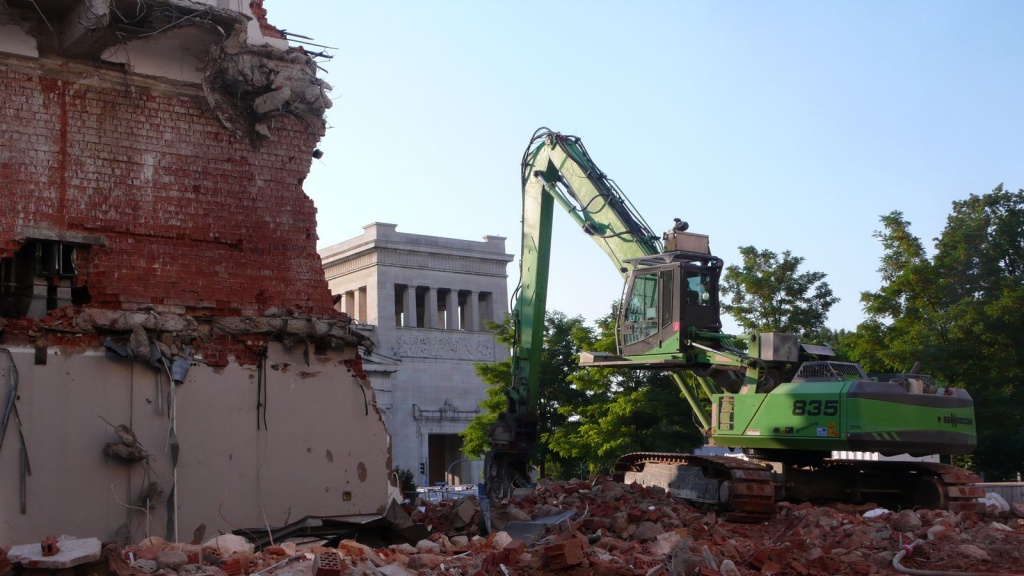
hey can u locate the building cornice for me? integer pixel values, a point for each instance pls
(476, 264)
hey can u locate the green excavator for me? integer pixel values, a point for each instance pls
(783, 404)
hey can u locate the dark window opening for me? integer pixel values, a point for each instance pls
(400, 319)
(41, 277)
(421, 305)
(442, 309)
(8, 287)
(697, 284)
(444, 451)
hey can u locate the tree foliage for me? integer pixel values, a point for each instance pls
(841, 341)
(958, 312)
(563, 341)
(588, 416)
(769, 293)
(623, 411)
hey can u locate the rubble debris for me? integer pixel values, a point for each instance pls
(994, 501)
(616, 529)
(241, 79)
(245, 81)
(170, 341)
(128, 450)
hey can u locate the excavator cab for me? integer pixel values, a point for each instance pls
(670, 297)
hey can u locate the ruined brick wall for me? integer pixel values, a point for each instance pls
(194, 219)
(269, 31)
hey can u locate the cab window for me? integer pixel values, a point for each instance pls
(642, 311)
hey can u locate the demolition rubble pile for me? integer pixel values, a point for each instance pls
(609, 528)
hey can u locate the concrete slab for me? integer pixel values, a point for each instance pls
(73, 551)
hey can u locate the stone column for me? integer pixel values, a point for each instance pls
(452, 309)
(359, 305)
(487, 308)
(409, 306)
(430, 308)
(473, 301)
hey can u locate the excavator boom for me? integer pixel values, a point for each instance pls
(556, 169)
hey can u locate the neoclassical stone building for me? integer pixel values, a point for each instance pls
(424, 301)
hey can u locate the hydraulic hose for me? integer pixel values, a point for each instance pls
(908, 549)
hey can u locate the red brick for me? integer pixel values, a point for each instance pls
(49, 546)
(176, 196)
(564, 554)
(327, 563)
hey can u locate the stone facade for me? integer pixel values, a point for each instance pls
(424, 301)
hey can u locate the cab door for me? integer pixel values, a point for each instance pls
(647, 316)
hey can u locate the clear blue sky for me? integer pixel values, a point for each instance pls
(783, 125)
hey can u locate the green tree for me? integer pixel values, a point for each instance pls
(623, 411)
(498, 377)
(563, 341)
(841, 341)
(958, 313)
(588, 416)
(907, 320)
(769, 293)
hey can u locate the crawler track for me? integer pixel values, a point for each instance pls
(743, 490)
(746, 491)
(888, 483)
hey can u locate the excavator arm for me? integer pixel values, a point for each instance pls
(767, 393)
(556, 169)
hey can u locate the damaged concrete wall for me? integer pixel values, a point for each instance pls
(305, 441)
(162, 215)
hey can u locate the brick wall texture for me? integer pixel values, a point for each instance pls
(192, 216)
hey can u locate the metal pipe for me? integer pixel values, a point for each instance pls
(908, 549)
(12, 394)
(448, 472)
(704, 382)
(695, 405)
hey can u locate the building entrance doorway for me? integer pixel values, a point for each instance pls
(444, 452)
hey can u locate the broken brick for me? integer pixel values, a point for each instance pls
(512, 550)
(645, 564)
(564, 554)
(232, 566)
(49, 546)
(770, 568)
(798, 568)
(327, 563)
